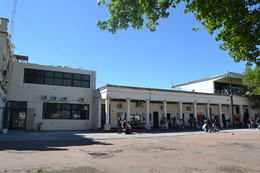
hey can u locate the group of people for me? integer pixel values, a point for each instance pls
(207, 125)
(210, 125)
(123, 126)
(173, 123)
(251, 123)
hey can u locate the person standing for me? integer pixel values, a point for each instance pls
(174, 121)
(252, 124)
(119, 125)
(227, 122)
(248, 124)
(191, 122)
(171, 124)
(162, 123)
(195, 123)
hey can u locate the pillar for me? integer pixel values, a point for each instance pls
(195, 110)
(147, 120)
(107, 125)
(207, 110)
(220, 115)
(128, 109)
(180, 110)
(165, 112)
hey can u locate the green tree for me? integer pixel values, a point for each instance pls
(235, 21)
(251, 82)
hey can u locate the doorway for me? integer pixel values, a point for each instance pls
(155, 119)
(17, 114)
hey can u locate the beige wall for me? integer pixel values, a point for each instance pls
(5, 54)
(32, 93)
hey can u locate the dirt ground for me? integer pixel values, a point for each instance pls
(237, 152)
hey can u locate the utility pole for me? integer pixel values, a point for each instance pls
(13, 19)
(231, 100)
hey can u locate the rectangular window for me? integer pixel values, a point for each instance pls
(85, 77)
(66, 82)
(85, 84)
(67, 75)
(77, 76)
(49, 74)
(58, 75)
(56, 78)
(38, 73)
(77, 83)
(49, 81)
(65, 111)
(58, 82)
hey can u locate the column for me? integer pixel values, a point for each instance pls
(195, 110)
(241, 113)
(128, 109)
(180, 110)
(220, 115)
(147, 120)
(207, 110)
(165, 112)
(99, 114)
(107, 125)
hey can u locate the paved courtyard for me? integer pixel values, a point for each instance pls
(227, 151)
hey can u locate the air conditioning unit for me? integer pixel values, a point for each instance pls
(65, 99)
(45, 97)
(120, 106)
(54, 98)
(82, 99)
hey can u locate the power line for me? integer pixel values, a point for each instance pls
(49, 42)
(75, 49)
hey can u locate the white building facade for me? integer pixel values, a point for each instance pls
(58, 98)
(144, 107)
(6, 49)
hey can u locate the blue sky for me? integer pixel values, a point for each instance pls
(64, 33)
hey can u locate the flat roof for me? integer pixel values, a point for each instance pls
(224, 75)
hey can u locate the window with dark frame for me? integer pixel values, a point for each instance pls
(56, 78)
(65, 111)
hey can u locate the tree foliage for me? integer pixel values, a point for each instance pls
(236, 21)
(251, 82)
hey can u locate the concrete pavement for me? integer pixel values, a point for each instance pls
(231, 150)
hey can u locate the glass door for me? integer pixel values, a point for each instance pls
(17, 119)
(17, 115)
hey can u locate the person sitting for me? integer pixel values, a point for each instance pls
(128, 128)
(178, 125)
(204, 127)
(215, 127)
